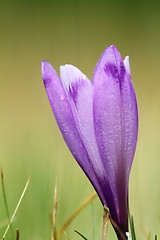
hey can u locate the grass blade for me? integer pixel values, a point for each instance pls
(55, 205)
(80, 234)
(105, 223)
(16, 209)
(5, 200)
(133, 234)
(17, 234)
(114, 224)
(75, 213)
(92, 213)
(66, 235)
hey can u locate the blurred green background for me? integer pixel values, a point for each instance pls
(31, 145)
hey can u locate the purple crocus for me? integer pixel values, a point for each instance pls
(99, 122)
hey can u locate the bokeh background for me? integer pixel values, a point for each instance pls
(31, 145)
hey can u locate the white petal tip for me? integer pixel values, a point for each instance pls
(70, 74)
(127, 65)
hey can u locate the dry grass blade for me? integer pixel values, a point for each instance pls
(114, 224)
(105, 223)
(66, 235)
(74, 214)
(55, 205)
(145, 233)
(15, 211)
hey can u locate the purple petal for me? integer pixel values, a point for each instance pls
(116, 125)
(80, 94)
(66, 97)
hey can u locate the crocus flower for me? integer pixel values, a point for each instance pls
(99, 122)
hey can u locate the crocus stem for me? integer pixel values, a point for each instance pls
(105, 223)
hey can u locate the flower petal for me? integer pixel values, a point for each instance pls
(80, 94)
(61, 101)
(116, 124)
(80, 91)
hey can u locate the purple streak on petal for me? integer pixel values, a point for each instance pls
(116, 124)
(62, 109)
